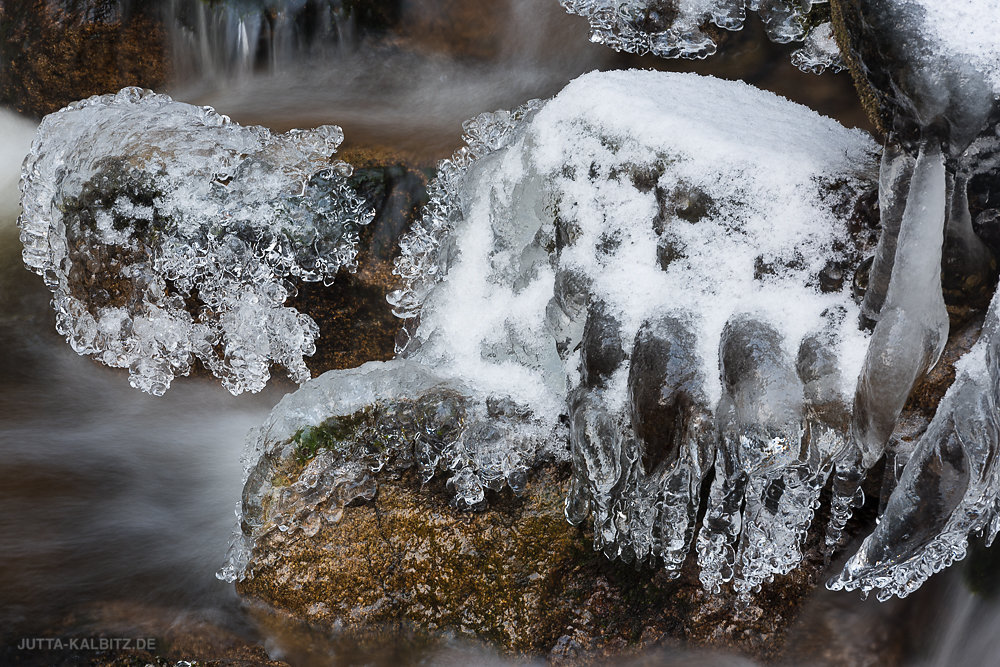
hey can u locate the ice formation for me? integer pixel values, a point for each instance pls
(681, 29)
(932, 70)
(168, 233)
(820, 51)
(948, 489)
(648, 271)
(942, 96)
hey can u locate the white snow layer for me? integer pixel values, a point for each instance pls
(967, 29)
(765, 170)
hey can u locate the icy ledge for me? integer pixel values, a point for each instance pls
(167, 233)
(688, 28)
(647, 276)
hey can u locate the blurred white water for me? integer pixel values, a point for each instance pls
(106, 494)
(15, 140)
(409, 93)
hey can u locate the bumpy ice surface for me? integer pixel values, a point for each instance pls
(676, 29)
(936, 67)
(966, 29)
(168, 233)
(644, 275)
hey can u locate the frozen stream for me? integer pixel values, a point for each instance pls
(115, 507)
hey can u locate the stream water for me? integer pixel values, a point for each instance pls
(108, 496)
(115, 507)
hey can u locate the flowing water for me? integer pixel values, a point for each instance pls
(108, 495)
(115, 507)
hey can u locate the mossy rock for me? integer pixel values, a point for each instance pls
(859, 45)
(514, 574)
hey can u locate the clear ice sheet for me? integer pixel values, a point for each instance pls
(167, 233)
(949, 489)
(568, 267)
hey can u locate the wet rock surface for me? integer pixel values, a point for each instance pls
(55, 53)
(356, 323)
(514, 574)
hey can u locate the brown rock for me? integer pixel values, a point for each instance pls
(461, 28)
(355, 320)
(515, 574)
(53, 56)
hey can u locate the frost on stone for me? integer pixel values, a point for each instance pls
(582, 260)
(689, 28)
(168, 234)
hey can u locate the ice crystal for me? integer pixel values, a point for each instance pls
(168, 233)
(678, 29)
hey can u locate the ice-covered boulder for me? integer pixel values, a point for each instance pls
(646, 276)
(167, 233)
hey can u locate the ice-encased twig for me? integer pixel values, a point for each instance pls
(969, 265)
(913, 323)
